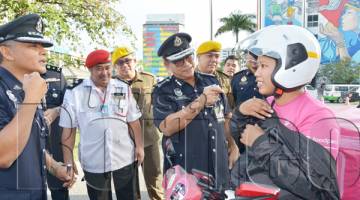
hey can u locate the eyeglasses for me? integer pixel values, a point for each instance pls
(123, 62)
(181, 61)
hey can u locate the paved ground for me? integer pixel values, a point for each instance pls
(78, 192)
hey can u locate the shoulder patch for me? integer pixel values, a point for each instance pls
(74, 84)
(53, 68)
(164, 81)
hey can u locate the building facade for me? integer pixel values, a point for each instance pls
(157, 28)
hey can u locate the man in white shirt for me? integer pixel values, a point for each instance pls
(107, 116)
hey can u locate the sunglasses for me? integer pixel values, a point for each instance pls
(181, 61)
(123, 62)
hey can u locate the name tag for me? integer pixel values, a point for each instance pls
(219, 113)
(105, 110)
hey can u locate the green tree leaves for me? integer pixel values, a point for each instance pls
(237, 22)
(68, 20)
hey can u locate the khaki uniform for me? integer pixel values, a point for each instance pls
(225, 85)
(141, 87)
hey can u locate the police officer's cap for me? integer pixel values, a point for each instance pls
(176, 47)
(27, 28)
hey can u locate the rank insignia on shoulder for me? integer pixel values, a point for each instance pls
(243, 80)
(75, 83)
(53, 68)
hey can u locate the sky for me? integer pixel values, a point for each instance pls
(197, 17)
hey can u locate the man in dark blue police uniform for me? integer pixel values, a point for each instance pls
(54, 98)
(244, 87)
(243, 84)
(23, 158)
(189, 108)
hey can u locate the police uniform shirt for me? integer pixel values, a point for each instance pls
(105, 144)
(141, 87)
(56, 86)
(27, 174)
(244, 86)
(54, 98)
(201, 145)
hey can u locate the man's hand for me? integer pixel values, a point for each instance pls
(139, 155)
(211, 94)
(234, 154)
(34, 87)
(256, 107)
(250, 134)
(51, 114)
(61, 171)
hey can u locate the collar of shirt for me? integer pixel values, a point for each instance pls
(89, 83)
(9, 79)
(180, 82)
(11, 82)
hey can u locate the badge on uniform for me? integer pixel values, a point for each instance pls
(104, 110)
(243, 80)
(219, 112)
(179, 95)
(119, 98)
(178, 92)
(11, 96)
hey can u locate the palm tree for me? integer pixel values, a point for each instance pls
(237, 22)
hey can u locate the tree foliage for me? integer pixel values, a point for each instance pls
(343, 72)
(67, 21)
(237, 22)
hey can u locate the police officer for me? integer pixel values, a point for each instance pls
(208, 55)
(107, 116)
(243, 84)
(141, 84)
(23, 158)
(189, 109)
(54, 98)
(231, 66)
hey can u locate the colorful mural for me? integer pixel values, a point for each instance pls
(283, 12)
(339, 30)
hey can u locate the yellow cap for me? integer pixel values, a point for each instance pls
(209, 46)
(120, 52)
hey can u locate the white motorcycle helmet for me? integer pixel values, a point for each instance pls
(296, 50)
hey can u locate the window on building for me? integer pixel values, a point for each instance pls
(312, 20)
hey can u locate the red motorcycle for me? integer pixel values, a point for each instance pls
(180, 185)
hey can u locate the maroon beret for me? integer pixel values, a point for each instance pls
(97, 57)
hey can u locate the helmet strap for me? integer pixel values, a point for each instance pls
(278, 92)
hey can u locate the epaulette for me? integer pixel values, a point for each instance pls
(119, 79)
(75, 83)
(222, 73)
(147, 74)
(53, 68)
(162, 82)
(240, 72)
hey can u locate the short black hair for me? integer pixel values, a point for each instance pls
(231, 57)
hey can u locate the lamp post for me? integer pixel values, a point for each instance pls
(211, 20)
